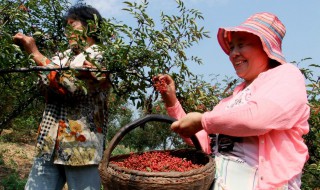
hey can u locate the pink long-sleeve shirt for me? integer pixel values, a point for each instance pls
(277, 113)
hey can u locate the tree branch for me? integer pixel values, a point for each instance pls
(17, 111)
(41, 68)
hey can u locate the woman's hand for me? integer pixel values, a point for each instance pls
(27, 42)
(188, 125)
(165, 85)
(29, 45)
(87, 74)
(89, 65)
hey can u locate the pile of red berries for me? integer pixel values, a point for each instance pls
(156, 161)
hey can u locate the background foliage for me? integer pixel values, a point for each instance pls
(133, 54)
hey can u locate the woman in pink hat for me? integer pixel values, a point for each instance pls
(264, 119)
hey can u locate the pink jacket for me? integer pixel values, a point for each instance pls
(277, 113)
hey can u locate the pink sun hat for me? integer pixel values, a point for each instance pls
(266, 26)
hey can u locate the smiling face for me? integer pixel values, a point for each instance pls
(247, 55)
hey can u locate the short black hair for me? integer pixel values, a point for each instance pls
(84, 13)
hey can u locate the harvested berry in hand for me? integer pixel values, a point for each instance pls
(160, 85)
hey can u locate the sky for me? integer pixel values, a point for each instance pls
(301, 19)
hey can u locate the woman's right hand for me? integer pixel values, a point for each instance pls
(27, 42)
(165, 85)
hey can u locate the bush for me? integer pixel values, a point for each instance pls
(13, 182)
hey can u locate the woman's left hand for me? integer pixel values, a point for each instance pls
(86, 74)
(87, 64)
(188, 125)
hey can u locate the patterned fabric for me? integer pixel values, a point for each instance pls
(74, 122)
(264, 25)
(240, 99)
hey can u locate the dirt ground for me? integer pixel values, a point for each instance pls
(16, 157)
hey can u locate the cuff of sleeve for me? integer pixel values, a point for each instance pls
(205, 122)
(171, 110)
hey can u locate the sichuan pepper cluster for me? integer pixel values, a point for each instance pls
(156, 162)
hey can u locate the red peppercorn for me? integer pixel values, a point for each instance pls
(156, 162)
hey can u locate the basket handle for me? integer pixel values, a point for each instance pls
(129, 127)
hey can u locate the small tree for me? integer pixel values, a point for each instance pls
(132, 54)
(311, 171)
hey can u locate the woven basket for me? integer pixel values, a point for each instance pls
(118, 178)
